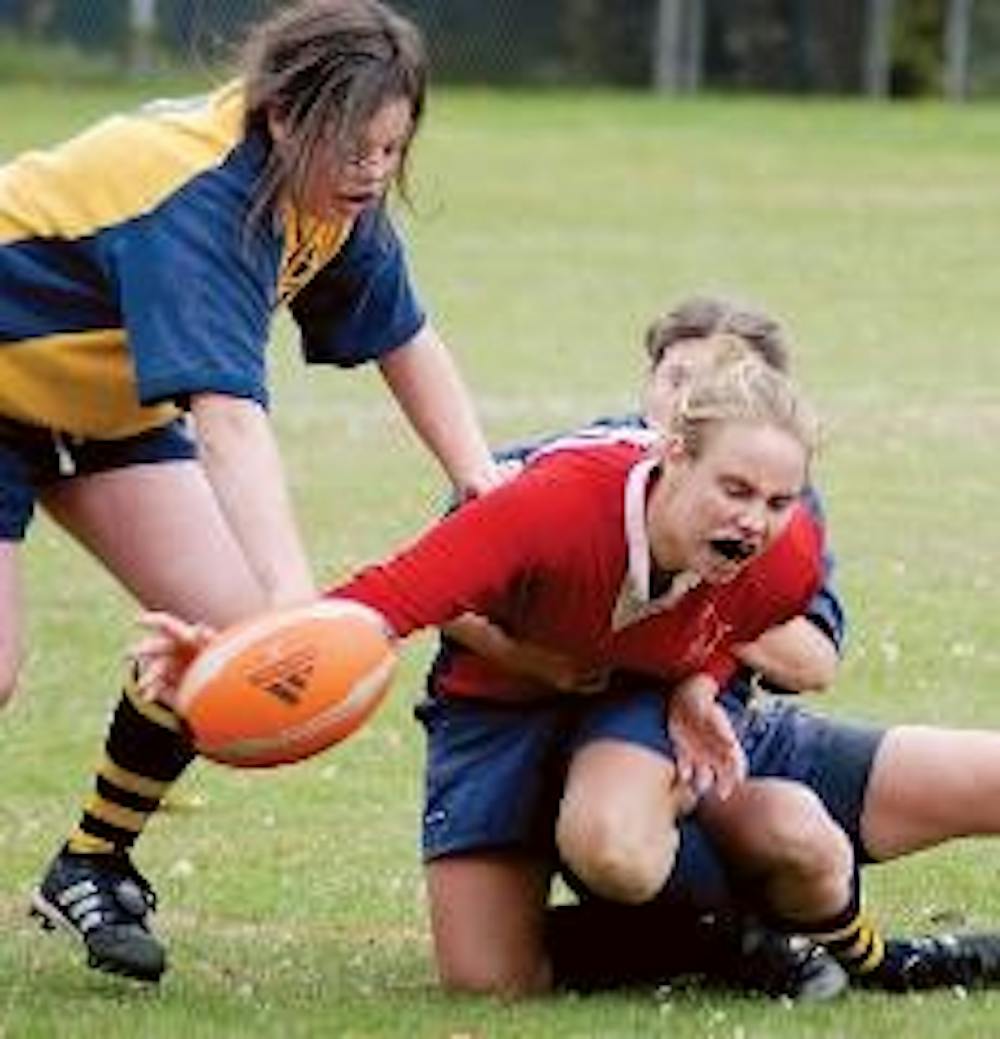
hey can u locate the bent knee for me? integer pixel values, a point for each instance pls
(804, 837)
(491, 979)
(617, 862)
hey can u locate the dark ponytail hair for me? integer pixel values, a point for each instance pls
(324, 68)
(699, 317)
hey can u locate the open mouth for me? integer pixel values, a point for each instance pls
(736, 550)
(360, 198)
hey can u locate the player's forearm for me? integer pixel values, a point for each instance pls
(240, 456)
(548, 667)
(797, 656)
(430, 390)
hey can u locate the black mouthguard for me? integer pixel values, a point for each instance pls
(732, 548)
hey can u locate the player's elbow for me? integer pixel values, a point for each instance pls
(820, 672)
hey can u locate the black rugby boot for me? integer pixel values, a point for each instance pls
(105, 901)
(937, 961)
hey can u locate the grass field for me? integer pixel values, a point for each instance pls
(547, 230)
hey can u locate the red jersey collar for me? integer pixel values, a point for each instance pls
(634, 599)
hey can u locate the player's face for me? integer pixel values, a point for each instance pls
(713, 514)
(675, 370)
(342, 182)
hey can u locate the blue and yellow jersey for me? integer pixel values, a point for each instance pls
(130, 279)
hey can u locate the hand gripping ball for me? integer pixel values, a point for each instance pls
(287, 684)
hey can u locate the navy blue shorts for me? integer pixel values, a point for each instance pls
(495, 773)
(33, 459)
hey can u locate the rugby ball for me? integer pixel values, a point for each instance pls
(285, 685)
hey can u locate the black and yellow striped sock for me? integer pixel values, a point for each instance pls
(852, 938)
(145, 753)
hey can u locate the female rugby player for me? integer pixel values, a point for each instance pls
(140, 265)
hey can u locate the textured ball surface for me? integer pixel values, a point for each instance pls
(285, 685)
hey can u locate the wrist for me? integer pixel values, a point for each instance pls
(699, 688)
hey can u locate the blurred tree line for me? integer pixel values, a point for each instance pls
(820, 46)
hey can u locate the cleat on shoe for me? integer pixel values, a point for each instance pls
(782, 965)
(43, 921)
(105, 902)
(937, 961)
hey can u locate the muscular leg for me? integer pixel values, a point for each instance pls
(689, 928)
(11, 606)
(778, 835)
(157, 528)
(612, 837)
(929, 785)
(487, 919)
(895, 792)
(649, 942)
(617, 826)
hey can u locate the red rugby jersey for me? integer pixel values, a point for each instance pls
(559, 556)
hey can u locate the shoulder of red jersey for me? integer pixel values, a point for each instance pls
(574, 483)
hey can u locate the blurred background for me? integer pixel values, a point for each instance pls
(882, 48)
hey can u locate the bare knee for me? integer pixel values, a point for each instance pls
(617, 859)
(807, 851)
(487, 920)
(512, 964)
(489, 978)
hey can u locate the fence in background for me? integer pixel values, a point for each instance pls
(847, 46)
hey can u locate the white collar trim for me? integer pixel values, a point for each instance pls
(634, 600)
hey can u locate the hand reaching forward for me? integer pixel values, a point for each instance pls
(164, 654)
(708, 752)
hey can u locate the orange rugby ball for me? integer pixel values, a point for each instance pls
(287, 684)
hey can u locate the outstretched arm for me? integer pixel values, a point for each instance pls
(426, 382)
(240, 456)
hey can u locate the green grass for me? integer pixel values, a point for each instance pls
(548, 228)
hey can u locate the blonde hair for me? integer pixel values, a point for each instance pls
(735, 385)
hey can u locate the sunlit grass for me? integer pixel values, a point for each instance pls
(547, 230)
